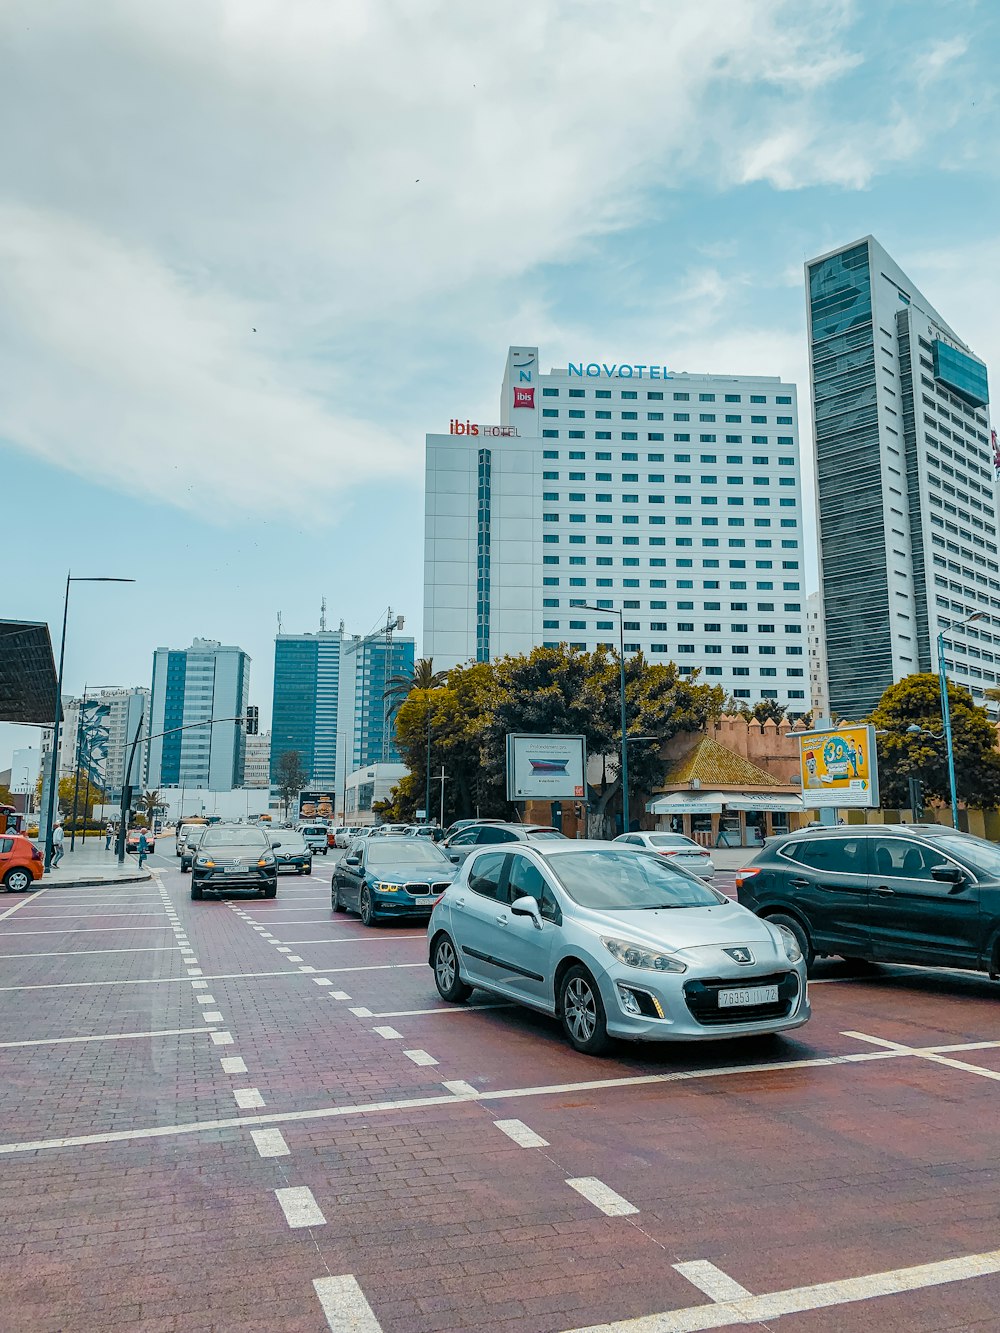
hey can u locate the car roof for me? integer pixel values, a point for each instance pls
(868, 831)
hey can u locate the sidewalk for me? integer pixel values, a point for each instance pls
(90, 864)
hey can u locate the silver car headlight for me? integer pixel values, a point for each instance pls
(792, 951)
(638, 955)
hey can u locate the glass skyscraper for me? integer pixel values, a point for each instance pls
(905, 478)
(191, 685)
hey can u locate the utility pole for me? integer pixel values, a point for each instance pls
(442, 781)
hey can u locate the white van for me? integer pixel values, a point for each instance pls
(315, 836)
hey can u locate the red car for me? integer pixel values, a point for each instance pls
(20, 862)
(132, 840)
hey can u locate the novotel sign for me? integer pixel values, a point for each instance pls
(456, 427)
(601, 370)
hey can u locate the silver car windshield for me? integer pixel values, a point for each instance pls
(404, 852)
(612, 880)
(290, 841)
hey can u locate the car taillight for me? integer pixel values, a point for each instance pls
(744, 877)
(35, 854)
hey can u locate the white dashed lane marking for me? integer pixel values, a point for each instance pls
(602, 1196)
(712, 1281)
(390, 1034)
(420, 1057)
(345, 1306)
(521, 1134)
(270, 1142)
(248, 1099)
(222, 1038)
(299, 1207)
(234, 1064)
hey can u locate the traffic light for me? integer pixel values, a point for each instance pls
(253, 719)
(917, 799)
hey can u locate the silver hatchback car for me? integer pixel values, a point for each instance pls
(615, 942)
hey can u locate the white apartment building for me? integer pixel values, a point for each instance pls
(907, 497)
(672, 497)
(819, 693)
(257, 765)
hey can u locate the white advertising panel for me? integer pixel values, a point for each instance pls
(546, 768)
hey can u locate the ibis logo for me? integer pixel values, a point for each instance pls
(524, 397)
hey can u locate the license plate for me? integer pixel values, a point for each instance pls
(234, 870)
(731, 999)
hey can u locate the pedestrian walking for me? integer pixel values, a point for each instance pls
(143, 847)
(58, 838)
(109, 833)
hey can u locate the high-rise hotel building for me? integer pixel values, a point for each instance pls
(673, 497)
(905, 468)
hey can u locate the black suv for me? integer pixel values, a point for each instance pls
(234, 857)
(913, 893)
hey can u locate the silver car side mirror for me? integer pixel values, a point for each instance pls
(527, 907)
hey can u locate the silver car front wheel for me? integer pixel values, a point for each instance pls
(582, 1012)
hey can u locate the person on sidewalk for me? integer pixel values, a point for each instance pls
(143, 848)
(109, 833)
(58, 838)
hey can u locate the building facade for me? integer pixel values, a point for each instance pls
(906, 489)
(673, 498)
(329, 701)
(819, 693)
(191, 686)
(257, 766)
(112, 716)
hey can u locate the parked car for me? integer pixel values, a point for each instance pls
(181, 832)
(21, 862)
(613, 942)
(460, 824)
(432, 831)
(690, 854)
(383, 877)
(389, 831)
(478, 835)
(295, 853)
(191, 840)
(132, 839)
(907, 893)
(315, 836)
(343, 835)
(235, 857)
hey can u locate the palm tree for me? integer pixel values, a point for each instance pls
(151, 802)
(422, 677)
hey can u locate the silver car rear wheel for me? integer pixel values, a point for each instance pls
(446, 975)
(582, 1012)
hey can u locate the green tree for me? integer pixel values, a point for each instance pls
(916, 701)
(768, 710)
(422, 677)
(289, 776)
(151, 802)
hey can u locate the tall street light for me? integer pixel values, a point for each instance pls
(624, 722)
(946, 708)
(57, 714)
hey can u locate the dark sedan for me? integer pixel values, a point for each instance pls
(905, 893)
(235, 857)
(382, 877)
(190, 848)
(293, 853)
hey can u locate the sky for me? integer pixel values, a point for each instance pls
(252, 251)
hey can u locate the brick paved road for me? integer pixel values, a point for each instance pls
(256, 1115)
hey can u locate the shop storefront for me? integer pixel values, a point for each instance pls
(726, 818)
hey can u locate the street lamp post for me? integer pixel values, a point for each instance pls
(946, 710)
(57, 713)
(624, 721)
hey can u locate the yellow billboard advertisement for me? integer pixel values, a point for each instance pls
(839, 767)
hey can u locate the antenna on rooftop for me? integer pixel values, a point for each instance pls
(322, 616)
(279, 622)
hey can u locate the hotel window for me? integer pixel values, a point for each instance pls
(552, 495)
(602, 416)
(604, 560)
(682, 416)
(550, 518)
(550, 435)
(602, 497)
(578, 624)
(578, 393)
(655, 394)
(602, 476)
(707, 439)
(550, 411)
(603, 541)
(706, 416)
(758, 421)
(577, 435)
(578, 476)
(577, 412)
(706, 398)
(734, 417)
(734, 398)
(550, 560)
(630, 393)
(603, 518)
(550, 624)
(758, 439)
(757, 398)
(656, 478)
(681, 397)
(576, 453)
(783, 401)
(629, 561)
(654, 416)
(578, 518)
(785, 439)
(552, 476)
(602, 393)
(550, 393)
(550, 538)
(708, 458)
(550, 582)
(630, 541)
(784, 421)
(630, 416)
(603, 457)
(629, 435)
(550, 453)
(654, 435)
(786, 462)
(654, 458)
(605, 583)
(602, 435)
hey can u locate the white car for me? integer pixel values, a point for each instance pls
(685, 851)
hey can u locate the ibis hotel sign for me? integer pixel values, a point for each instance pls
(456, 427)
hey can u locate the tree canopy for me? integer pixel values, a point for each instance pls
(916, 701)
(547, 691)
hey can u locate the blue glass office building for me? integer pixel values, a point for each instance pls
(192, 685)
(905, 481)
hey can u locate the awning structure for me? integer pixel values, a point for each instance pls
(714, 802)
(27, 673)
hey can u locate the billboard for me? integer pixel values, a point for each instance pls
(546, 768)
(839, 767)
(315, 804)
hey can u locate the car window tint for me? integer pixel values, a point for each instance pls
(901, 858)
(525, 880)
(973, 851)
(6, 846)
(842, 856)
(486, 872)
(490, 833)
(464, 838)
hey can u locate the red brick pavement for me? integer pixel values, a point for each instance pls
(780, 1176)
